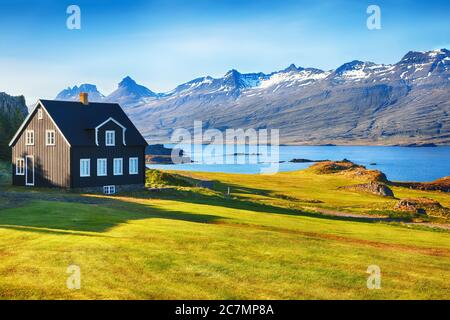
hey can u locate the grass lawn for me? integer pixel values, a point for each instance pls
(192, 243)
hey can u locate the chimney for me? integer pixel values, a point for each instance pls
(84, 98)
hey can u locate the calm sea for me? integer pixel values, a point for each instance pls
(398, 163)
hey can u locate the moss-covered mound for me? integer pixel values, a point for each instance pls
(156, 178)
(348, 168)
(423, 206)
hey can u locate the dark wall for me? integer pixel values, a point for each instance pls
(118, 151)
(52, 163)
(110, 126)
(94, 153)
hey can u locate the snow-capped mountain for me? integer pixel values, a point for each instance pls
(358, 102)
(129, 93)
(74, 93)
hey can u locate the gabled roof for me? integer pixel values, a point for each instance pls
(77, 121)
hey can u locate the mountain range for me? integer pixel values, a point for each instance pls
(359, 102)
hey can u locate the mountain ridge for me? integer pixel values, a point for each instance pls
(360, 102)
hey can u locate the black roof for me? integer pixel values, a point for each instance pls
(74, 119)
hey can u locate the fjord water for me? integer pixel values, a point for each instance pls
(398, 163)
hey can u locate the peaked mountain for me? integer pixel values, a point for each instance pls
(74, 93)
(129, 93)
(360, 102)
(13, 111)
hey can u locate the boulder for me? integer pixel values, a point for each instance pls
(422, 206)
(373, 187)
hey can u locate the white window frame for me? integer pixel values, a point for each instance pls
(102, 174)
(88, 173)
(130, 161)
(117, 173)
(47, 142)
(109, 189)
(40, 114)
(111, 143)
(20, 172)
(29, 137)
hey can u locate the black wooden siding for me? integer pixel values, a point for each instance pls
(109, 153)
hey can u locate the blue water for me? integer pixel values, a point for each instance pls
(398, 163)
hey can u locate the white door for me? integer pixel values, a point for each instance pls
(29, 170)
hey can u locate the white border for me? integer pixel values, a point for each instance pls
(23, 173)
(26, 171)
(137, 165)
(114, 138)
(105, 122)
(26, 137)
(114, 167)
(46, 137)
(106, 167)
(89, 167)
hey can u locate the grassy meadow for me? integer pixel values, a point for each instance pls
(266, 240)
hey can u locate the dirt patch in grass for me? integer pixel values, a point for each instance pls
(387, 246)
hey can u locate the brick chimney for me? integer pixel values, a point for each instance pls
(84, 98)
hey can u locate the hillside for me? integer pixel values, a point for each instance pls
(13, 111)
(357, 103)
(266, 240)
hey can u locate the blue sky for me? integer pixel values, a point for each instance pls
(164, 43)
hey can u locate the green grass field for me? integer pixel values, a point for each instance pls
(264, 241)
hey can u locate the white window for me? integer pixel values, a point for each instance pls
(20, 167)
(50, 137)
(133, 166)
(85, 167)
(102, 167)
(109, 189)
(40, 114)
(29, 137)
(118, 166)
(110, 138)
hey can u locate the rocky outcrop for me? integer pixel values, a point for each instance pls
(158, 154)
(348, 168)
(422, 206)
(373, 187)
(442, 184)
(300, 160)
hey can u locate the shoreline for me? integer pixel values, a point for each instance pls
(403, 145)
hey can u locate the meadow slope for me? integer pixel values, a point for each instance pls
(263, 241)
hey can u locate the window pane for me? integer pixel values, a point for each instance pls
(133, 163)
(118, 164)
(85, 169)
(110, 138)
(101, 167)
